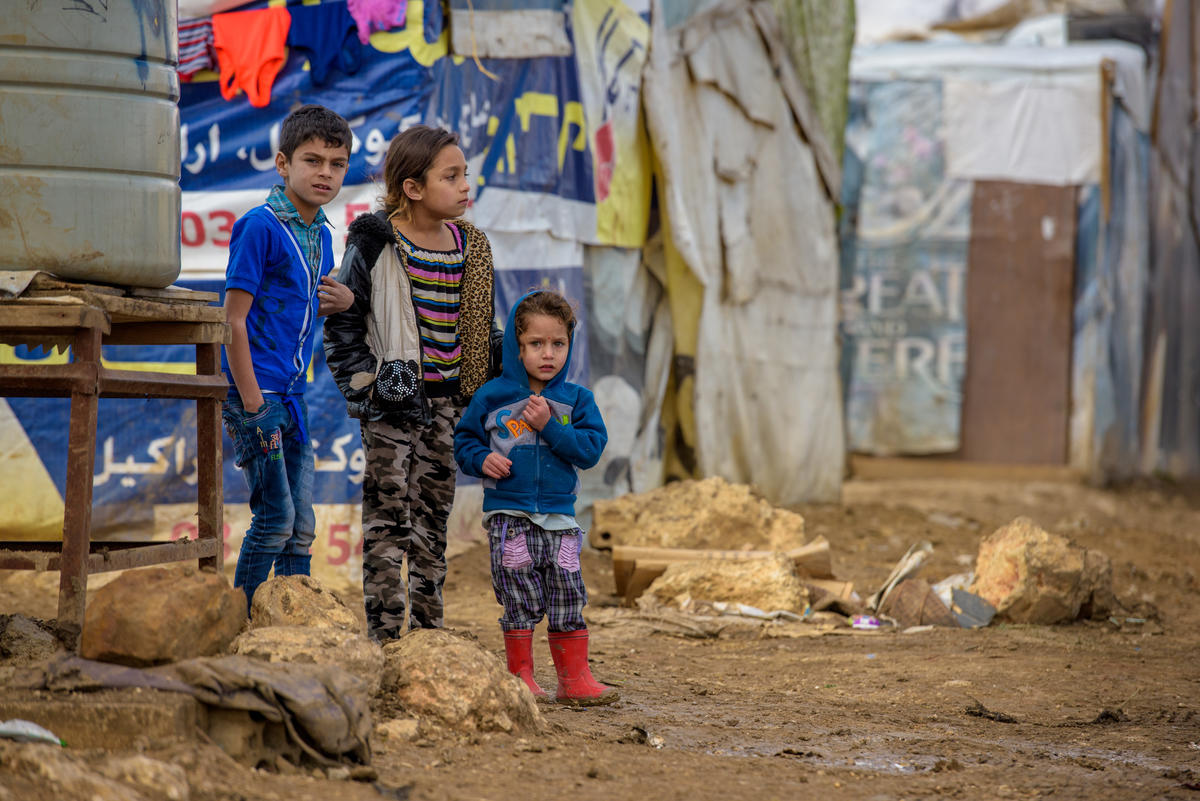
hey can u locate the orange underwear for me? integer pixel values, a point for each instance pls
(250, 48)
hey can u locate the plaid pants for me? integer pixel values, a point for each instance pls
(536, 574)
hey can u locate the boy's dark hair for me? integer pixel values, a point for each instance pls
(313, 122)
(547, 302)
(410, 155)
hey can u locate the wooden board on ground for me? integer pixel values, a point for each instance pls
(635, 567)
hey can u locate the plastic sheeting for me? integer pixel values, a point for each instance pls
(750, 224)
(1017, 113)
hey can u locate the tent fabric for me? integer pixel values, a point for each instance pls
(763, 255)
(1019, 113)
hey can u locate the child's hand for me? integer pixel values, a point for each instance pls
(496, 466)
(333, 297)
(537, 412)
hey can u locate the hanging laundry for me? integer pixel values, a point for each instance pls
(251, 50)
(195, 47)
(376, 15)
(325, 34)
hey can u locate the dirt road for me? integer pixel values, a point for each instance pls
(1096, 710)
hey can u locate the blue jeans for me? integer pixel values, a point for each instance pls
(276, 457)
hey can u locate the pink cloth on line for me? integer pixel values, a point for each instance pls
(376, 15)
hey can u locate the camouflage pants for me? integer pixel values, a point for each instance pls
(408, 489)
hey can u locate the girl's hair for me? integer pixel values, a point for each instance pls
(547, 302)
(410, 155)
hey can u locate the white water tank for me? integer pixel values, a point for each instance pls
(89, 140)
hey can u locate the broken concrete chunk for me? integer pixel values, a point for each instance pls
(347, 650)
(1033, 576)
(300, 601)
(454, 682)
(769, 583)
(711, 513)
(158, 615)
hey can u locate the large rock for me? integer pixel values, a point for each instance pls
(710, 513)
(157, 615)
(299, 601)
(1033, 576)
(768, 584)
(352, 652)
(452, 681)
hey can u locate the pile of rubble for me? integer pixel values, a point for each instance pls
(294, 686)
(709, 548)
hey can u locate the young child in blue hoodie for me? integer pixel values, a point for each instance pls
(525, 434)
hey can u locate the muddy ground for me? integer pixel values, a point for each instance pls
(1096, 710)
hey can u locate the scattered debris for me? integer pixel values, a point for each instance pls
(26, 731)
(978, 710)
(969, 610)
(913, 602)
(959, 581)
(907, 567)
(866, 622)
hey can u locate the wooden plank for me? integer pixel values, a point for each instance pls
(139, 384)
(209, 478)
(167, 333)
(81, 467)
(46, 281)
(16, 316)
(1020, 302)
(47, 380)
(175, 294)
(634, 567)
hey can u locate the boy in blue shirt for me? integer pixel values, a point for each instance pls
(276, 285)
(525, 434)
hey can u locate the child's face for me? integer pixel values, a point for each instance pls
(544, 346)
(313, 175)
(446, 191)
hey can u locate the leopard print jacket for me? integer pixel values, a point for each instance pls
(345, 341)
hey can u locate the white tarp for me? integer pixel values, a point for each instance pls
(1019, 113)
(750, 219)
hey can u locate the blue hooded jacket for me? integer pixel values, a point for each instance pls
(543, 478)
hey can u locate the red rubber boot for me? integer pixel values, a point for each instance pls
(518, 651)
(575, 683)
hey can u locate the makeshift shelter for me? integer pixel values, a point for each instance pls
(994, 256)
(719, 314)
